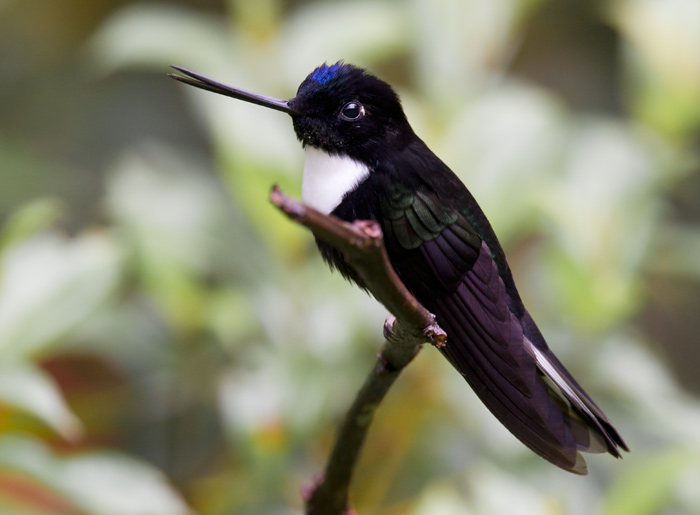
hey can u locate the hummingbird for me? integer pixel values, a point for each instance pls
(363, 161)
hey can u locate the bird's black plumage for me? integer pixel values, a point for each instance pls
(444, 250)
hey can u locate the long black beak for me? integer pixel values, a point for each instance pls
(201, 82)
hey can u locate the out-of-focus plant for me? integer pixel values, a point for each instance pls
(49, 285)
(230, 348)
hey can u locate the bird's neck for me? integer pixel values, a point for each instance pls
(329, 177)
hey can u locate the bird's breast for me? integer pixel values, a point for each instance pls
(328, 178)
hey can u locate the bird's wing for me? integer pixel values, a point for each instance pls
(441, 258)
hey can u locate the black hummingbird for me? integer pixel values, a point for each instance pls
(364, 162)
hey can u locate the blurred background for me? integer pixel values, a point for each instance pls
(171, 344)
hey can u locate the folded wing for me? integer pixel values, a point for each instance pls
(440, 256)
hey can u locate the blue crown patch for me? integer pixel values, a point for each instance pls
(324, 73)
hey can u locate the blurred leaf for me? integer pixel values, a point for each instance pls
(250, 185)
(181, 227)
(148, 34)
(587, 294)
(33, 217)
(675, 250)
(97, 482)
(21, 495)
(497, 492)
(645, 488)
(30, 389)
(603, 210)
(234, 351)
(49, 284)
(662, 42)
(231, 316)
(259, 17)
(648, 389)
(442, 499)
(381, 33)
(174, 211)
(460, 45)
(506, 145)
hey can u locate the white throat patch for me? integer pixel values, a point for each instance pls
(328, 178)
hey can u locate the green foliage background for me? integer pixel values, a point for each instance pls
(170, 344)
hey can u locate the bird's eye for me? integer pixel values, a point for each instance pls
(352, 111)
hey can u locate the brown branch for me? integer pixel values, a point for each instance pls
(410, 325)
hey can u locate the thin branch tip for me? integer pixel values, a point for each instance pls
(289, 206)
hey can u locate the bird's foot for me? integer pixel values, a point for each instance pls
(433, 334)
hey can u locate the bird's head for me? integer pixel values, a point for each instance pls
(339, 108)
(345, 110)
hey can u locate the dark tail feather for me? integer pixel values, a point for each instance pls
(546, 410)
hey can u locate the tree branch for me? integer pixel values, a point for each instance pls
(409, 326)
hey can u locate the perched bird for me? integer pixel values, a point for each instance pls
(364, 162)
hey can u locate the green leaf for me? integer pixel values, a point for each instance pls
(143, 35)
(28, 388)
(50, 284)
(99, 482)
(384, 32)
(39, 214)
(646, 487)
(675, 250)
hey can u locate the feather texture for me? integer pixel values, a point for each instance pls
(444, 250)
